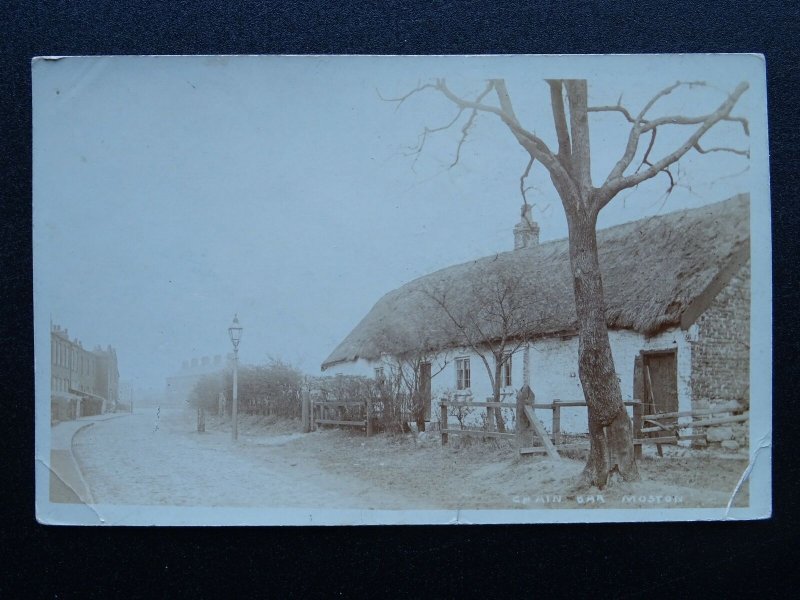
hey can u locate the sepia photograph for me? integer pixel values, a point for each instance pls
(325, 290)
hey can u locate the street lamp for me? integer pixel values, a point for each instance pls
(235, 333)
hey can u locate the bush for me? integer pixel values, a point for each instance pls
(272, 389)
(206, 391)
(391, 408)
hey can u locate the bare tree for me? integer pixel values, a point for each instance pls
(406, 377)
(492, 319)
(569, 169)
(408, 352)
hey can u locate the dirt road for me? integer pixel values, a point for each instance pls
(157, 458)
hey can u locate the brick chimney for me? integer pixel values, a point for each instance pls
(526, 232)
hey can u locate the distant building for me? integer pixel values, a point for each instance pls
(180, 384)
(82, 382)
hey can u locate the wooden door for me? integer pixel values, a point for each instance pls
(660, 386)
(425, 388)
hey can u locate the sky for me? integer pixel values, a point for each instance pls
(172, 192)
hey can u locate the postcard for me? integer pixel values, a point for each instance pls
(323, 290)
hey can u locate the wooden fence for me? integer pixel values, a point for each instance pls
(644, 425)
(526, 426)
(445, 429)
(672, 430)
(336, 412)
(655, 428)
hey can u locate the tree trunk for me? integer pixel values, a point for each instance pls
(419, 411)
(498, 413)
(610, 430)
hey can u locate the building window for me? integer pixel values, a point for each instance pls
(505, 372)
(462, 374)
(379, 377)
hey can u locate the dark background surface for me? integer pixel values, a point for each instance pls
(632, 560)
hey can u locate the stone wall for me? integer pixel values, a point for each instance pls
(721, 346)
(721, 358)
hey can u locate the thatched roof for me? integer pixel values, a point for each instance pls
(653, 270)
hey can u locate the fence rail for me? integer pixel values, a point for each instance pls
(479, 432)
(340, 412)
(528, 423)
(333, 412)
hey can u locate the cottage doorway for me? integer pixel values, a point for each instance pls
(661, 381)
(655, 384)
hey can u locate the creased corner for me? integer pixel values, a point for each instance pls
(67, 485)
(764, 442)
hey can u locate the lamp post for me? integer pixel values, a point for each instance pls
(235, 333)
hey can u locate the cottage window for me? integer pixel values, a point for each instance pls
(379, 374)
(505, 372)
(462, 374)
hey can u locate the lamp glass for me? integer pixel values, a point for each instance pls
(235, 332)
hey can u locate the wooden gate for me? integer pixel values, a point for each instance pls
(352, 413)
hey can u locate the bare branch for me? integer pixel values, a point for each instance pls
(743, 121)
(721, 149)
(671, 179)
(522, 188)
(493, 319)
(674, 120)
(646, 157)
(616, 181)
(441, 301)
(617, 108)
(464, 132)
(665, 92)
(534, 145)
(640, 125)
(405, 97)
(428, 130)
(505, 99)
(529, 141)
(468, 125)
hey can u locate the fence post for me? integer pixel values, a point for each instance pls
(368, 410)
(556, 422)
(201, 419)
(638, 414)
(305, 411)
(443, 421)
(523, 425)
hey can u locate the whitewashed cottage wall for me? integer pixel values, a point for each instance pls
(553, 367)
(554, 371)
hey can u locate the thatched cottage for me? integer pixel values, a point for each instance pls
(677, 290)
